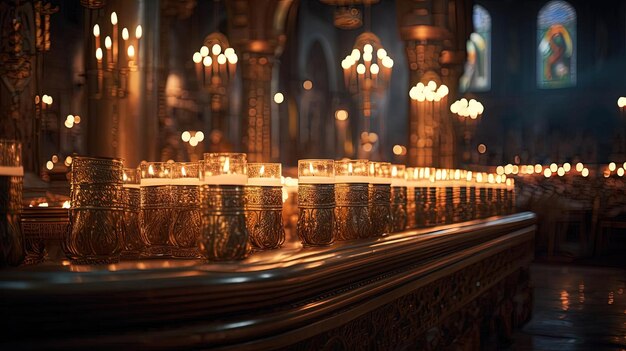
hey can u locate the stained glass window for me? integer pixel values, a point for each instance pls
(477, 75)
(556, 45)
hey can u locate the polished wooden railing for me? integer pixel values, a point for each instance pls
(420, 289)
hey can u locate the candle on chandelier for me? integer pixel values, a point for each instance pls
(115, 39)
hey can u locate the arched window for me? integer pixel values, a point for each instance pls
(477, 75)
(556, 45)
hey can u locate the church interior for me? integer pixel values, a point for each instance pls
(313, 174)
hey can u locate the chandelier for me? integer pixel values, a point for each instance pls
(367, 69)
(216, 63)
(429, 92)
(465, 108)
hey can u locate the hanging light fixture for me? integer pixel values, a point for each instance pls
(216, 61)
(368, 66)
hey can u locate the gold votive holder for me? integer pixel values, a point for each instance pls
(156, 208)
(224, 235)
(411, 221)
(380, 198)
(264, 206)
(352, 217)
(96, 234)
(186, 213)
(316, 202)
(399, 200)
(11, 185)
(133, 244)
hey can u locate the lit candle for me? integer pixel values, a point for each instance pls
(264, 174)
(380, 172)
(351, 171)
(398, 175)
(131, 178)
(108, 44)
(316, 171)
(115, 41)
(96, 34)
(224, 169)
(155, 174)
(185, 173)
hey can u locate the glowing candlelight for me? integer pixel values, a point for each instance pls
(264, 174)
(351, 171)
(316, 171)
(224, 169)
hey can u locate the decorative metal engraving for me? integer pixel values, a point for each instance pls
(316, 205)
(156, 220)
(187, 221)
(380, 209)
(411, 208)
(352, 214)
(133, 245)
(11, 236)
(224, 234)
(399, 207)
(264, 216)
(96, 233)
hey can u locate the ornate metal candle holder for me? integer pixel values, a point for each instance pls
(185, 205)
(471, 203)
(316, 202)
(133, 245)
(224, 235)
(411, 220)
(264, 206)
(380, 198)
(399, 197)
(11, 183)
(352, 216)
(156, 209)
(96, 233)
(430, 206)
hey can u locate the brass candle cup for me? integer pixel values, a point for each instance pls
(133, 244)
(156, 208)
(352, 216)
(186, 213)
(96, 233)
(399, 201)
(316, 202)
(264, 206)
(11, 188)
(224, 235)
(380, 198)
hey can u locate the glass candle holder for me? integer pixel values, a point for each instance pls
(224, 235)
(11, 184)
(316, 202)
(264, 206)
(399, 197)
(380, 198)
(133, 244)
(352, 216)
(156, 208)
(186, 213)
(96, 234)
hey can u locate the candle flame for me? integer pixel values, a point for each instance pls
(66, 204)
(262, 170)
(394, 171)
(96, 30)
(113, 18)
(183, 172)
(371, 169)
(227, 165)
(107, 42)
(311, 168)
(124, 177)
(99, 54)
(150, 170)
(138, 32)
(349, 168)
(125, 34)
(131, 51)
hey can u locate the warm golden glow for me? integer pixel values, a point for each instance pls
(199, 136)
(547, 172)
(183, 172)
(96, 30)
(131, 51)
(113, 18)
(307, 85)
(66, 204)
(226, 165)
(279, 98)
(207, 61)
(397, 150)
(585, 172)
(221, 59)
(99, 54)
(186, 136)
(482, 148)
(107, 42)
(204, 51)
(197, 57)
(138, 32)
(612, 166)
(262, 170)
(341, 115)
(125, 34)
(311, 168)
(360, 69)
(216, 49)
(579, 167)
(150, 170)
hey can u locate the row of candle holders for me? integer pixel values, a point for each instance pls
(222, 208)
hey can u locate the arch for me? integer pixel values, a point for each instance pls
(326, 52)
(477, 75)
(556, 45)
